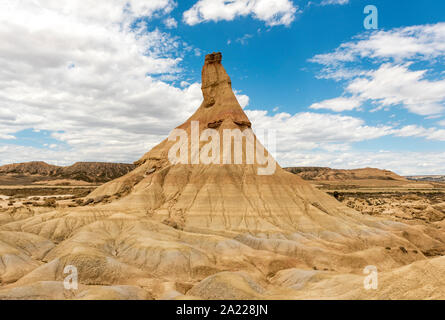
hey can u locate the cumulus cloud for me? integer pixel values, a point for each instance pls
(331, 143)
(98, 83)
(6, 136)
(419, 131)
(414, 163)
(91, 77)
(423, 42)
(338, 104)
(393, 82)
(272, 12)
(308, 130)
(242, 99)
(170, 23)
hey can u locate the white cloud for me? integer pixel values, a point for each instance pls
(244, 39)
(393, 82)
(423, 42)
(16, 153)
(197, 52)
(90, 78)
(170, 23)
(331, 144)
(339, 74)
(6, 137)
(419, 131)
(296, 132)
(242, 99)
(94, 82)
(99, 13)
(330, 2)
(414, 163)
(338, 104)
(272, 12)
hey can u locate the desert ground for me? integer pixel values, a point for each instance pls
(419, 204)
(166, 230)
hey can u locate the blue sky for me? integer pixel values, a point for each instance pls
(108, 82)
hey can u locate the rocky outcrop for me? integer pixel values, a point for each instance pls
(30, 168)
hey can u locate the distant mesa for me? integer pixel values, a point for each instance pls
(35, 171)
(428, 178)
(329, 174)
(32, 168)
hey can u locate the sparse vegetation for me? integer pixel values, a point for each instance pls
(21, 192)
(50, 202)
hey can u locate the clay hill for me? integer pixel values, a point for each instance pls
(328, 174)
(214, 231)
(39, 171)
(30, 168)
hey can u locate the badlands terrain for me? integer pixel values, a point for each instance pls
(39, 172)
(165, 230)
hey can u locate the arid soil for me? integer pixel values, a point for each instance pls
(42, 196)
(412, 207)
(424, 206)
(382, 193)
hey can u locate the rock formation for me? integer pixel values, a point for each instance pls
(175, 230)
(31, 168)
